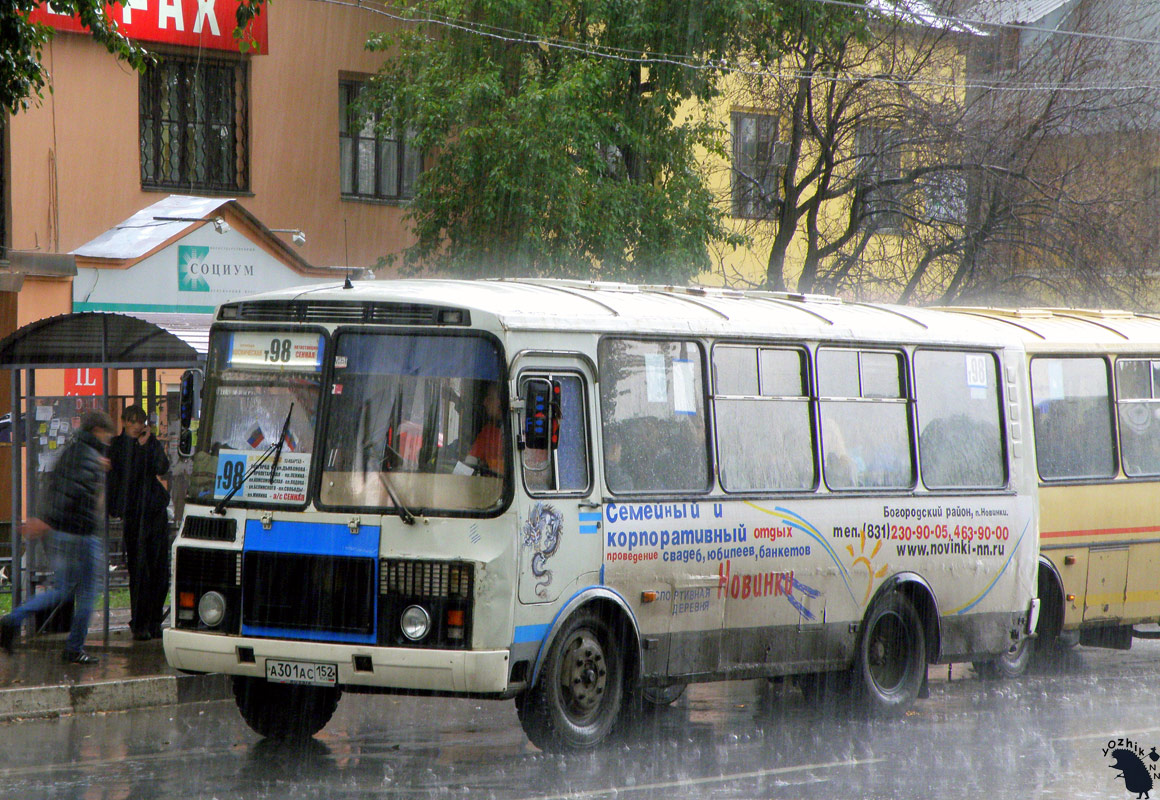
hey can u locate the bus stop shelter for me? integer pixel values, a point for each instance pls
(87, 340)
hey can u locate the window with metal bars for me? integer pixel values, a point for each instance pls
(194, 115)
(373, 164)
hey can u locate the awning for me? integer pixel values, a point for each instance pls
(96, 339)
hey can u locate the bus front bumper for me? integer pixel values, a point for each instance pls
(415, 669)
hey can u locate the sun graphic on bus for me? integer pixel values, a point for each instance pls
(868, 561)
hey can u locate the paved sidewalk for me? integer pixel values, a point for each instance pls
(34, 682)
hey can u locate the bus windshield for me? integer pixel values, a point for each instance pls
(258, 383)
(415, 422)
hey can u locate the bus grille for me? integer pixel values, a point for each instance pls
(333, 594)
(210, 528)
(442, 588)
(345, 312)
(203, 570)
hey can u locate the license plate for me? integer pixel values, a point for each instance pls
(301, 672)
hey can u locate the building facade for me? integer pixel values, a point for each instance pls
(269, 127)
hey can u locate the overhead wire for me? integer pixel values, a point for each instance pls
(756, 69)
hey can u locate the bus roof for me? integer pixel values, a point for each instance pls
(1071, 328)
(604, 307)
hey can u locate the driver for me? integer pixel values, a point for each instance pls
(487, 449)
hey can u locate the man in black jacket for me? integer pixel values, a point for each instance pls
(72, 510)
(137, 496)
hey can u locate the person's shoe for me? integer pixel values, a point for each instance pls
(156, 632)
(79, 657)
(8, 631)
(141, 636)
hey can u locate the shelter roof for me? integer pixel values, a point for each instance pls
(94, 339)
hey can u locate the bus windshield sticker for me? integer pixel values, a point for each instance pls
(684, 387)
(289, 482)
(977, 375)
(658, 388)
(281, 350)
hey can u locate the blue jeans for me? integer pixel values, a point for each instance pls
(77, 562)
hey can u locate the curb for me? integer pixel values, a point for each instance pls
(111, 695)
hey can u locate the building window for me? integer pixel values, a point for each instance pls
(195, 125)
(758, 160)
(374, 164)
(879, 160)
(946, 197)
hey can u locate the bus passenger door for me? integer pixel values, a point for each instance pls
(559, 533)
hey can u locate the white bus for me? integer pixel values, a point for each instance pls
(584, 496)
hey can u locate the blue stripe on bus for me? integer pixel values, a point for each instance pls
(312, 538)
(529, 633)
(589, 516)
(590, 529)
(307, 635)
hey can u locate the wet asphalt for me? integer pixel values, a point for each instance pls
(1048, 735)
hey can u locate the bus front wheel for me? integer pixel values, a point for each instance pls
(283, 710)
(891, 662)
(580, 692)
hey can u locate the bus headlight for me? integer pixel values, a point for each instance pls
(415, 622)
(211, 609)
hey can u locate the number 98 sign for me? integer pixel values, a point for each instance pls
(230, 470)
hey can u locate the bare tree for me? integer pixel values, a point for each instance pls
(933, 161)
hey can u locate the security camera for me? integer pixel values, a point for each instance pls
(299, 238)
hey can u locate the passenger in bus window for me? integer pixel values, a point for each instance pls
(842, 471)
(618, 478)
(486, 453)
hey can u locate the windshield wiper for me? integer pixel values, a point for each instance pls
(404, 513)
(274, 450)
(281, 442)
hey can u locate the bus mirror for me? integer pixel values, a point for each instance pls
(189, 411)
(542, 415)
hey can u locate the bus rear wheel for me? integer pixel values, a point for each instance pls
(891, 659)
(660, 696)
(580, 693)
(1011, 664)
(285, 711)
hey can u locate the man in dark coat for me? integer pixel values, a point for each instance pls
(72, 510)
(137, 496)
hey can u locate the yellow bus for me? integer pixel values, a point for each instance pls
(1094, 378)
(584, 496)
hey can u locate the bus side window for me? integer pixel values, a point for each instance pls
(960, 443)
(865, 424)
(1071, 406)
(565, 467)
(1137, 387)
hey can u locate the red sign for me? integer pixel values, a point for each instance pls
(194, 23)
(84, 382)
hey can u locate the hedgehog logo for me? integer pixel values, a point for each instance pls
(1134, 771)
